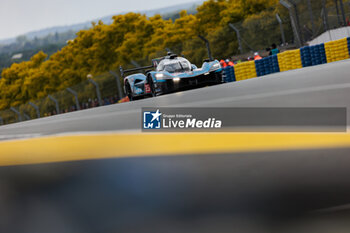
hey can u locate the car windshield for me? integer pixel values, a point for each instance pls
(175, 65)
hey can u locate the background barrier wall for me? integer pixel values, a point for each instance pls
(313, 55)
(330, 35)
(229, 74)
(245, 70)
(337, 50)
(318, 54)
(267, 65)
(293, 59)
(305, 53)
(289, 60)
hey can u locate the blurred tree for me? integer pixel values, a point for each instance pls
(137, 37)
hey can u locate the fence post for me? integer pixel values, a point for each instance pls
(75, 96)
(238, 37)
(281, 28)
(36, 109)
(56, 103)
(311, 18)
(26, 117)
(337, 9)
(98, 93)
(208, 46)
(342, 11)
(325, 15)
(293, 22)
(297, 20)
(119, 86)
(17, 112)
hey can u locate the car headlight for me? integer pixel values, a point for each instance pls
(216, 66)
(159, 76)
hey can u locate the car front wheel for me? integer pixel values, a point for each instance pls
(128, 91)
(151, 86)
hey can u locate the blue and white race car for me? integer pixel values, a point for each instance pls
(169, 74)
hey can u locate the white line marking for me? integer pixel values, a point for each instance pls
(19, 136)
(333, 209)
(277, 93)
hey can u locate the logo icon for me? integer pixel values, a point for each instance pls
(152, 120)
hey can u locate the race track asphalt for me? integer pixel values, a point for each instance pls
(325, 85)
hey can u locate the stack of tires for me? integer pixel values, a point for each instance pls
(229, 74)
(267, 65)
(306, 59)
(337, 50)
(290, 60)
(245, 70)
(318, 54)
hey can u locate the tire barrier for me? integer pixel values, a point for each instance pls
(245, 70)
(305, 53)
(267, 65)
(289, 60)
(229, 74)
(337, 50)
(313, 55)
(318, 54)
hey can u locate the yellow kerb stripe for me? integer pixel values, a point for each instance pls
(85, 147)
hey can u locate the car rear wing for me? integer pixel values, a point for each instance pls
(123, 72)
(154, 65)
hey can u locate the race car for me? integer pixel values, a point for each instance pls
(169, 74)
